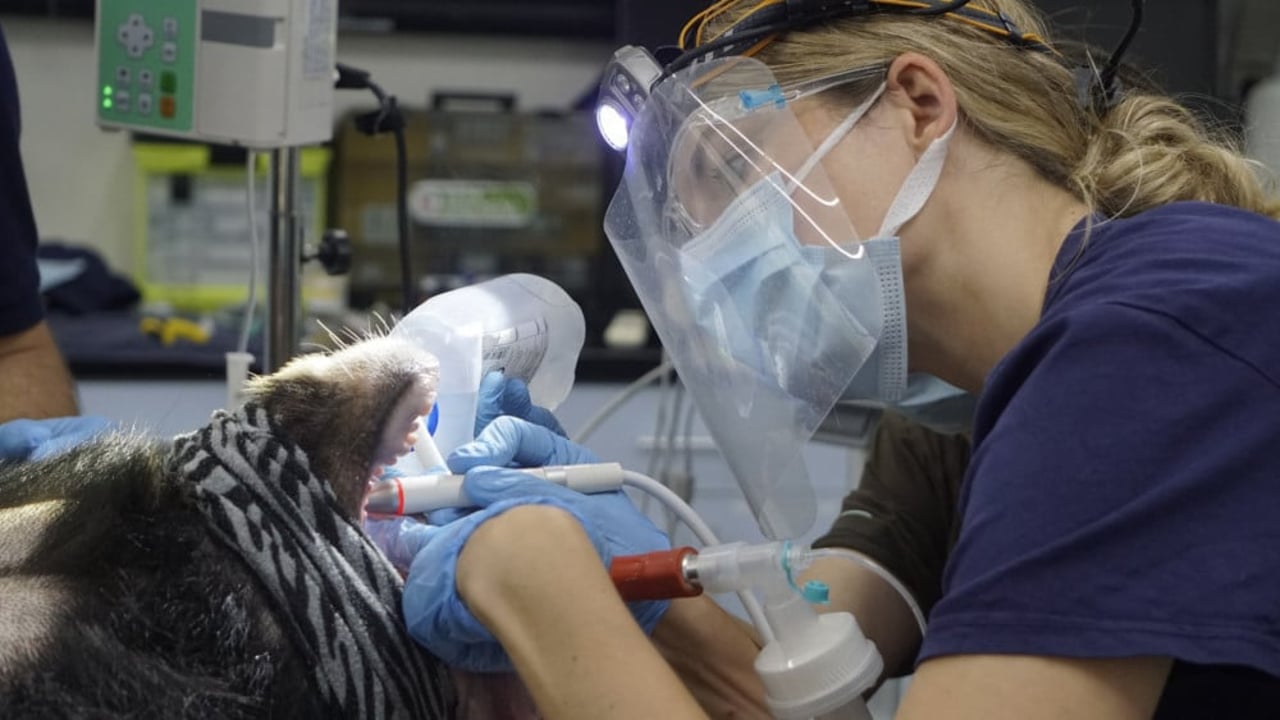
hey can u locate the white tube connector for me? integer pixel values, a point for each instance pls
(826, 666)
(238, 364)
(815, 664)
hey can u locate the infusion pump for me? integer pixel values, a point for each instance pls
(257, 73)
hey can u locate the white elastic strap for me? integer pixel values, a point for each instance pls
(918, 186)
(835, 137)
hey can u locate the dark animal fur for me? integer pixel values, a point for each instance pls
(146, 616)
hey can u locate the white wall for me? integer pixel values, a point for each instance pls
(81, 177)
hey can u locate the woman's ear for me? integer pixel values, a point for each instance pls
(920, 90)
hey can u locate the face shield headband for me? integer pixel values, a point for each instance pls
(633, 72)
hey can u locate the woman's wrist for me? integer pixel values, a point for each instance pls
(532, 576)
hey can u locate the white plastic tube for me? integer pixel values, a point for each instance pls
(705, 535)
(674, 502)
(255, 251)
(240, 360)
(875, 567)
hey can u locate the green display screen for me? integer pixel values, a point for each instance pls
(146, 63)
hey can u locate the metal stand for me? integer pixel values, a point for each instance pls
(284, 268)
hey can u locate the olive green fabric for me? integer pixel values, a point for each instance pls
(903, 514)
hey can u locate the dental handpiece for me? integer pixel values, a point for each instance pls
(412, 494)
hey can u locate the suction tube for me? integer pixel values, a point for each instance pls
(866, 562)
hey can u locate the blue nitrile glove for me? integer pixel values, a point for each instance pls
(398, 537)
(614, 524)
(436, 616)
(501, 395)
(509, 441)
(434, 613)
(514, 442)
(37, 439)
(613, 521)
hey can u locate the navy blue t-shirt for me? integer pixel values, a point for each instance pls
(20, 306)
(1123, 498)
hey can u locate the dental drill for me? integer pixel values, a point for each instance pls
(411, 495)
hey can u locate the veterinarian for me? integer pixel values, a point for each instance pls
(37, 395)
(1082, 256)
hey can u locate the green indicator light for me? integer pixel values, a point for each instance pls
(106, 89)
(106, 103)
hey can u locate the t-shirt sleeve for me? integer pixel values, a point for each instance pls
(903, 513)
(20, 304)
(1126, 501)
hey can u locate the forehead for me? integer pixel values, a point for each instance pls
(774, 132)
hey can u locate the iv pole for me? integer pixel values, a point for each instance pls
(280, 339)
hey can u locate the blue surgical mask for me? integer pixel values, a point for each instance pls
(751, 255)
(754, 240)
(924, 399)
(883, 375)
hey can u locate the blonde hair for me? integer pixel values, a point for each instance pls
(1146, 151)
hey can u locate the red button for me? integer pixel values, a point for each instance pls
(168, 108)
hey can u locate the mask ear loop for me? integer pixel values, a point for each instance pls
(918, 186)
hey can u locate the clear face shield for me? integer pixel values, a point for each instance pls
(749, 268)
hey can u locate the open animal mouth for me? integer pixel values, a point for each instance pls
(399, 432)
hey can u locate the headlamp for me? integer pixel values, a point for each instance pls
(628, 78)
(633, 71)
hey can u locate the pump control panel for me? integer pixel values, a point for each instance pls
(258, 74)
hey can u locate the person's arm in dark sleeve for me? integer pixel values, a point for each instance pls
(34, 381)
(903, 516)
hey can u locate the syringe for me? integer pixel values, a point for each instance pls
(413, 494)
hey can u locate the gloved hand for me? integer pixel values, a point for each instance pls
(613, 520)
(436, 616)
(500, 395)
(398, 537)
(509, 441)
(26, 439)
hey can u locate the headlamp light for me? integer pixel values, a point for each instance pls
(628, 78)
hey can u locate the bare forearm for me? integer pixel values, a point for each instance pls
(881, 612)
(713, 652)
(534, 579)
(34, 382)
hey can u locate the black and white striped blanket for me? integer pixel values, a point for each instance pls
(336, 595)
